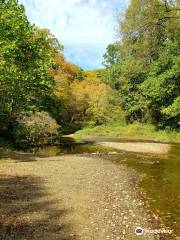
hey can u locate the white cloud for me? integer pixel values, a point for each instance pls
(85, 27)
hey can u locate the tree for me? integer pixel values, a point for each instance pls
(80, 75)
(93, 102)
(26, 55)
(112, 55)
(111, 60)
(147, 25)
(162, 87)
(149, 63)
(60, 103)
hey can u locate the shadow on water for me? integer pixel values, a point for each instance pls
(25, 212)
(18, 156)
(66, 146)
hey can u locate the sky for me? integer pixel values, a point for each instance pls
(84, 27)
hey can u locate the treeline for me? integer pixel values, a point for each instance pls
(80, 98)
(144, 65)
(26, 56)
(42, 95)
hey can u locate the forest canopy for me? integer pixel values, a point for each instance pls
(140, 81)
(144, 66)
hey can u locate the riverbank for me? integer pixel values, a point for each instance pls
(134, 131)
(159, 172)
(139, 147)
(71, 197)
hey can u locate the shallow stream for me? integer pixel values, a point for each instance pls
(161, 172)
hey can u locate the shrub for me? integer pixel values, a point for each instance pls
(35, 128)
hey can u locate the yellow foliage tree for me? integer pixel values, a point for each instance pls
(92, 101)
(64, 73)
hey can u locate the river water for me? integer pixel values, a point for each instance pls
(160, 172)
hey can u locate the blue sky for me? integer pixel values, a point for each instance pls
(84, 27)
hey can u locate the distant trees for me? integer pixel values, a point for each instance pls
(111, 60)
(80, 75)
(147, 71)
(57, 104)
(112, 55)
(80, 97)
(93, 102)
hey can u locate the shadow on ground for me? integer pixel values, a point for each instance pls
(26, 213)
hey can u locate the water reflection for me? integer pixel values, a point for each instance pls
(161, 182)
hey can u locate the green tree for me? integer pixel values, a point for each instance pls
(111, 60)
(26, 55)
(149, 63)
(112, 55)
(162, 86)
(80, 75)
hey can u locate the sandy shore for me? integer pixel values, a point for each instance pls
(70, 197)
(158, 148)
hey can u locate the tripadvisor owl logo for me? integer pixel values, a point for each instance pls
(139, 231)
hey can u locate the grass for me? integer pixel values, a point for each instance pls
(134, 131)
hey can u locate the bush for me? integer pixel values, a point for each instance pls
(35, 128)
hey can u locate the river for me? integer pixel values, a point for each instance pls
(160, 173)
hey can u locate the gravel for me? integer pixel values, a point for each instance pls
(157, 148)
(71, 198)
